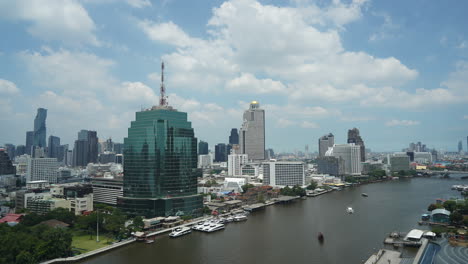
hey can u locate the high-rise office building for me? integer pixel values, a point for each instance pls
(52, 149)
(20, 150)
(234, 137)
(40, 128)
(202, 148)
(29, 142)
(160, 166)
(118, 148)
(354, 137)
(221, 152)
(460, 146)
(93, 142)
(6, 165)
(252, 132)
(11, 150)
(351, 155)
(62, 153)
(324, 143)
(80, 153)
(83, 134)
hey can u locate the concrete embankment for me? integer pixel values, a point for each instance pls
(90, 253)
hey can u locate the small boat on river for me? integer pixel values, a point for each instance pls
(349, 210)
(320, 236)
(364, 194)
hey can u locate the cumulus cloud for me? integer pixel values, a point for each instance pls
(286, 47)
(8, 87)
(308, 124)
(139, 3)
(53, 20)
(396, 122)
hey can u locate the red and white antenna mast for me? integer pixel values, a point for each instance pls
(162, 90)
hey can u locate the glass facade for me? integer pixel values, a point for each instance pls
(160, 168)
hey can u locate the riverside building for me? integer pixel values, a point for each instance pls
(283, 173)
(160, 168)
(350, 154)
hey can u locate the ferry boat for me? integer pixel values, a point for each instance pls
(240, 217)
(198, 226)
(215, 227)
(180, 231)
(349, 210)
(229, 219)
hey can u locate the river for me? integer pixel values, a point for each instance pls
(288, 233)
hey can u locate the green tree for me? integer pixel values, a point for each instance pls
(450, 205)
(246, 187)
(138, 223)
(24, 257)
(62, 214)
(32, 219)
(312, 185)
(432, 207)
(456, 217)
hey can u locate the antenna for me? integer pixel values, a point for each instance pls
(162, 99)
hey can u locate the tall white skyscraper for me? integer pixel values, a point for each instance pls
(235, 162)
(252, 132)
(351, 154)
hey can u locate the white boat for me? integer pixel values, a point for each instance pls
(180, 231)
(206, 226)
(215, 227)
(349, 210)
(240, 217)
(149, 241)
(198, 226)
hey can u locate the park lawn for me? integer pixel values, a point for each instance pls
(83, 244)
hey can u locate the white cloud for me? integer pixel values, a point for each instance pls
(285, 48)
(139, 3)
(58, 20)
(248, 83)
(387, 30)
(283, 123)
(396, 122)
(465, 117)
(463, 45)
(8, 87)
(308, 124)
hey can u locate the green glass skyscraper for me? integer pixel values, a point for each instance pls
(160, 164)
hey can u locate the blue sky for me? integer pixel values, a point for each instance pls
(397, 70)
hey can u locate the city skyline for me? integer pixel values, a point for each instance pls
(96, 76)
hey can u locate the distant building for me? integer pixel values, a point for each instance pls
(11, 151)
(423, 157)
(460, 146)
(354, 137)
(269, 154)
(351, 155)
(234, 137)
(53, 148)
(80, 153)
(283, 173)
(252, 132)
(221, 152)
(7, 170)
(20, 150)
(235, 162)
(62, 153)
(29, 142)
(205, 161)
(325, 142)
(118, 148)
(202, 148)
(106, 157)
(40, 128)
(42, 169)
(399, 162)
(106, 190)
(331, 165)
